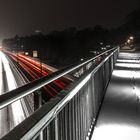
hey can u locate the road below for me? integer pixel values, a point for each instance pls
(15, 113)
(17, 70)
(33, 69)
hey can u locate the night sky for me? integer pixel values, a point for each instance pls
(23, 17)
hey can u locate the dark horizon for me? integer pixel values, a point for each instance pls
(25, 17)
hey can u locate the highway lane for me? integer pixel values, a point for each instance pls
(12, 77)
(34, 70)
(18, 111)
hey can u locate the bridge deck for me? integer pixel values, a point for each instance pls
(119, 118)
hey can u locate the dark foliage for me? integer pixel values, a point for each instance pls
(67, 46)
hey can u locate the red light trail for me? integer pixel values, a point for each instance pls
(35, 70)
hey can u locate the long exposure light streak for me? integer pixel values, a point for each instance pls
(35, 69)
(17, 110)
(1, 77)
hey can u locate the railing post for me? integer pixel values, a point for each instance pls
(56, 128)
(38, 104)
(41, 135)
(37, 100)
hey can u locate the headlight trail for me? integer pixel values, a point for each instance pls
(15, 114)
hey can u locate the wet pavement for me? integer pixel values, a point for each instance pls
(119, 117)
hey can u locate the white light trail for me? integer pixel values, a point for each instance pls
(17, 110)
(9, 75)
(1, 77)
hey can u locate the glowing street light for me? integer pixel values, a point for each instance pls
(128, 41)
(131, 37)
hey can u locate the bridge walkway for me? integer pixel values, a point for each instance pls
(119, 117)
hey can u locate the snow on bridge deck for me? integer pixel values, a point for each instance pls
(119, 117)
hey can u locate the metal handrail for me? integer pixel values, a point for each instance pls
(32, 126)
(29, 88)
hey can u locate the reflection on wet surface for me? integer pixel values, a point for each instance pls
(119, 118)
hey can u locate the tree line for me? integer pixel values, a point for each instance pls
(71, 44)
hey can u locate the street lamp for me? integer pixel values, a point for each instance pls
(131, 38)
(128, 41)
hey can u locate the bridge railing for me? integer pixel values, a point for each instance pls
(72, 113)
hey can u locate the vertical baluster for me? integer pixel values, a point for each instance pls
(56, 128)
